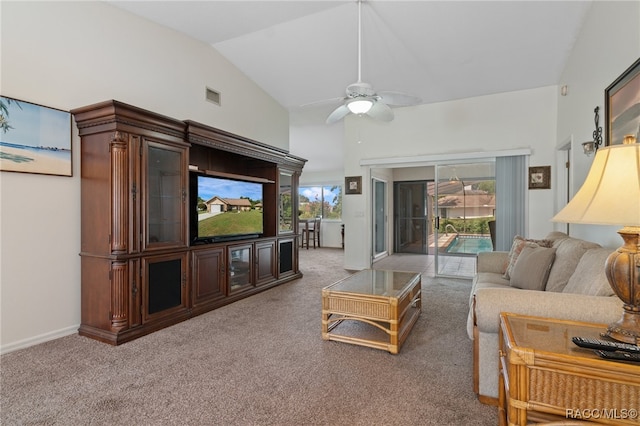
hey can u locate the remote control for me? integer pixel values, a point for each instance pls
(617, 355)
(605, 345)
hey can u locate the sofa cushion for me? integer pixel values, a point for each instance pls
(532, 268)
(492, 261)
(491, 278)
(487, 280)
(589, 277)
(516, 247)
(568, 254)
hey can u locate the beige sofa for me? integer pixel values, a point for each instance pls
(559, 277)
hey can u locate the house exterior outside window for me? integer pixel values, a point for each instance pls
(320, 201)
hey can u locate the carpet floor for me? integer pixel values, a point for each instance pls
(259, 361)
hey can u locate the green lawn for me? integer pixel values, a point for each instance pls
(231, 223)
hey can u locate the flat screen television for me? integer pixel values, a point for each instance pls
(224, 209)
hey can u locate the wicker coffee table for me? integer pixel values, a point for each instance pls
(545, 377)
(385, 304)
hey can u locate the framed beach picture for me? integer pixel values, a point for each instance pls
(622, 107)
(34, 138)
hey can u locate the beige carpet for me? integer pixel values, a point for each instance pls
(259, 361)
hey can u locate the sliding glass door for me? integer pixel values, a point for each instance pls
(464, 204)
(410, 217)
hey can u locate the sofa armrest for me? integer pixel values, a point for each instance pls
(492, 261)
(490, 302)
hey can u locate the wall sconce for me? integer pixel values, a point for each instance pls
(590, 147)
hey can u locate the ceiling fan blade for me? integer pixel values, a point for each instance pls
(398, 99)
(380, 111)
(338, 114)
(323, 102)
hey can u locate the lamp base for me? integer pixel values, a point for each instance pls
(623, 272)
(626, 329)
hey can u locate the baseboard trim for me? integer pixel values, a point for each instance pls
(488, 400)
(36, 340)
(354, 268)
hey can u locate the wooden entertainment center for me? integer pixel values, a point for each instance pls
(142, 270)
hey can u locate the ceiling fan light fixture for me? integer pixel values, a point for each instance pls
(360, 106)
(360, 97)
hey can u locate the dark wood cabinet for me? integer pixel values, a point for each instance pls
(209, 278)
(240, 272)
(287, 257)
(265, 264)
(141, 268)
(164, 287)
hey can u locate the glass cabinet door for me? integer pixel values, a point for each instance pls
(286, 202)
(165, 195)
(240, 261)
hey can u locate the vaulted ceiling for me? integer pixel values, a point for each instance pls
(301, 52)
(305, 51)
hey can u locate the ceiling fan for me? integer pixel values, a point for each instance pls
(360, 97)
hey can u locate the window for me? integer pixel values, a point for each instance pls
(324, 201)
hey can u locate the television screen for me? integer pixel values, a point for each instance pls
(226, 208)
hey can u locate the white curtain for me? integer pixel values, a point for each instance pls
(511, 187)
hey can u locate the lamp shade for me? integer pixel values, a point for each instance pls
(611, 193)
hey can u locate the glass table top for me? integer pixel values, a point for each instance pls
(552, 335)
(376, 282)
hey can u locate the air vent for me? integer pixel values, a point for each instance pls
(212, 96)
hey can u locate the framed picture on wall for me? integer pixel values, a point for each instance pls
(622, 107)
(34, 138)
(353, 185)
(540, 177)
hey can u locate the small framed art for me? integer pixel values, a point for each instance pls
(540, 177)
(353, 185)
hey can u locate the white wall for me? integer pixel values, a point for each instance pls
(524, 119)
(70, 54)
(320, 143)
(608, 43)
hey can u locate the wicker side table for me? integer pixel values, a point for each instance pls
(545, 377)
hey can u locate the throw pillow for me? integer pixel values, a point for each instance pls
(556, 235)
(568, 254)
(532, 268)
(589, 277)
(518, 244)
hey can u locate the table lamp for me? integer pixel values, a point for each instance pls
(611, 196)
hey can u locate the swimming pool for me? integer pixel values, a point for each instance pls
(471, 244)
